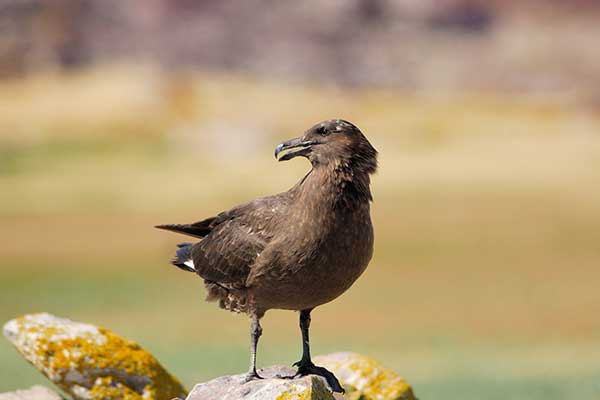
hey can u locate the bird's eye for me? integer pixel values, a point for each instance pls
(322, 131)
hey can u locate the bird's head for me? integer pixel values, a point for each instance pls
(332, 142)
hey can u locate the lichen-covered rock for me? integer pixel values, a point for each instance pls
(270, 388)
(364, 378)
(88, 362)
(33, 393)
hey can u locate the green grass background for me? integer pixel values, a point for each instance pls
(486, 272)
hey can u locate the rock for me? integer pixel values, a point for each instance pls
(88, 362)
(33, 393)
(364, 378)
(270, 388)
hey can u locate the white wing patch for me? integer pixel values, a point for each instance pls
(190, 263)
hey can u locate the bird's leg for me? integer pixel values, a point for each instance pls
(255, 332)
(304, 326)
(305, 365)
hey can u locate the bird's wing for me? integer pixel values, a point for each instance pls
(237, 238)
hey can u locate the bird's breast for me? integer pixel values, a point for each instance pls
(316, 260)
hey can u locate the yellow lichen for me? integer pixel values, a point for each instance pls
(315, 391)
(92, 363)
(365, 379)
(105, 388)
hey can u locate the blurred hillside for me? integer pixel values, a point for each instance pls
(533, 46)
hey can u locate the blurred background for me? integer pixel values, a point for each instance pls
(116, 116)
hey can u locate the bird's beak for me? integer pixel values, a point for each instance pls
(302, 148)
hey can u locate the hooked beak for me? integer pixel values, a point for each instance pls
(303, 148)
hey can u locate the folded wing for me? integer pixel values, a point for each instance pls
(232, 240)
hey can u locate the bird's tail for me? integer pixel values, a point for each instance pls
(183, 257)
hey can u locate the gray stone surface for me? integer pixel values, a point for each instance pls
(33, 393)
(362, 377)
(271, 388)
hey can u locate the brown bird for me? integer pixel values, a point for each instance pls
(295, 250)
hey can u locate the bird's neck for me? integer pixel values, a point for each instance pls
(333, 186)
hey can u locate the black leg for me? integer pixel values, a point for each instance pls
(305, 365)
(304, 327)
(255, 332)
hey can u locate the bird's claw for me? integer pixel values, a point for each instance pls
(251, 376)
(308, 368)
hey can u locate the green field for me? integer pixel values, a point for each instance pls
(485, 279)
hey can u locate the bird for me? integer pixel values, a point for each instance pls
(294, 250)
